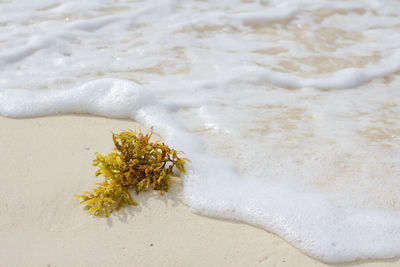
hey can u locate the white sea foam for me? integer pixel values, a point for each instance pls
(289, 110)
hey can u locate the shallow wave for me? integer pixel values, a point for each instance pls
(251, 91)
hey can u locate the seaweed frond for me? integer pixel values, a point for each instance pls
(136, 164)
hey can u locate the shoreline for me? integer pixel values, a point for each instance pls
(45, 161)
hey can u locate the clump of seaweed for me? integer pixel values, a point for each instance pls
(136, 164)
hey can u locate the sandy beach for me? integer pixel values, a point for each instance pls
(45, 161)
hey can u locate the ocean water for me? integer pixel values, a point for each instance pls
(289, 110)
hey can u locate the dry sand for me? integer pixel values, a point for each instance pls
(45, 161)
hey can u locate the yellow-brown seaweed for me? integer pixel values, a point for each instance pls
(136, 164)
